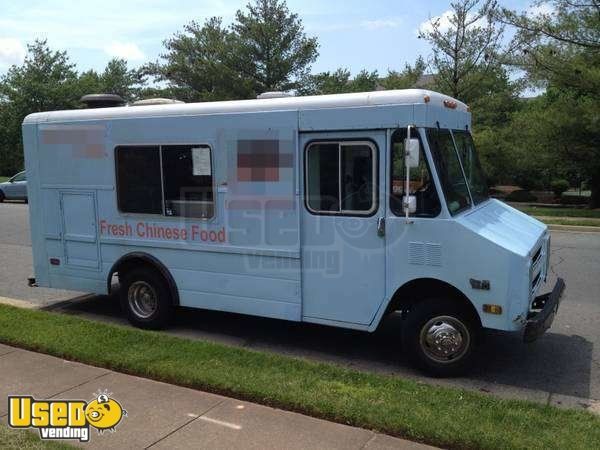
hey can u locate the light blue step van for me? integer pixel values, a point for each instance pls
(335, 209)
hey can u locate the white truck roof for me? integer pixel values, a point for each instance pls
(354, 100)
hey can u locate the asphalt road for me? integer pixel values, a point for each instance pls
(562, 367)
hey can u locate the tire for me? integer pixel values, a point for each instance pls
(146, 299)
(2, 197)
(456, 330)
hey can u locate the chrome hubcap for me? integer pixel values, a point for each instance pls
(444, 339)
(142, 298)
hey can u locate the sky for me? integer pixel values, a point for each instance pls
(354, 34)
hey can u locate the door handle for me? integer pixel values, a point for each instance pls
(381, 227)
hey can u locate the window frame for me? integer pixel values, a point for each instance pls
(344, 141)
(432, 175)
(162, 180)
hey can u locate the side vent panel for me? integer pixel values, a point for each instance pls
(425, 254)
(416, 253)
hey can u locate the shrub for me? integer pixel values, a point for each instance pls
(559, 187)
(574, 200)
(521, 195)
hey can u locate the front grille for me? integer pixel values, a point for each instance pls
(536, 257)
(535, 282)
(537, 269)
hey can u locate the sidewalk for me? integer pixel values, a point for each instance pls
(161, 415)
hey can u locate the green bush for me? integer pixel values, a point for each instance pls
(574, 199)
(521, 195)
(559, 187)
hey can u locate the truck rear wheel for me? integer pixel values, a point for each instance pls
(145, 298)
(440, 336)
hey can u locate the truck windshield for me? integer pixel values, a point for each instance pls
(471, 166)
(448, 168)
(446, 157)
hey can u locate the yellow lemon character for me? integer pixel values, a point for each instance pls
(104, 413)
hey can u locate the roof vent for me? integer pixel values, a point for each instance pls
(102, 100)
(273, 94)
(156, 101)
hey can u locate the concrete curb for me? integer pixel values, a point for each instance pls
(20, 303)
(574, 228)
(46, 306)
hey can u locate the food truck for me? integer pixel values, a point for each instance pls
(333, 209)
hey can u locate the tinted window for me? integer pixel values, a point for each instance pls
(357, 183)
(188, 183)
(323, 165)
(449, 171)
(340, 177)
(138, 179)
(421, 182)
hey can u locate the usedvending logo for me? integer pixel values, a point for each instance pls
(65, 419)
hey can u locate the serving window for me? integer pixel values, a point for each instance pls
(171, 180)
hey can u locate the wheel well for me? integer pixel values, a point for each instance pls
(137, 260)
(416, 290)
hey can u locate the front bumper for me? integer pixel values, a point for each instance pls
(539, 321)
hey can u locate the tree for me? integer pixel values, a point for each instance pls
(465, 48)
(116, 78)
(199, 64)
(264, 49)
(407, 78)
(338, 82)
(46, 81)
(326, 83)
(560, 51)
(272, 48)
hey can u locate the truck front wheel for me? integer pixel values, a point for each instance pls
(145, 298)
(440, 336)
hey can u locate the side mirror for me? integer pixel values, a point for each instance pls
(413, 151)
(410, 203)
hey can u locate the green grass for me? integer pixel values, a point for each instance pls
(3, 179)
(437, 415)
(560, 212)
(576, 222)
(27, 440)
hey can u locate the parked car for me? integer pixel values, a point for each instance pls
(15, 188)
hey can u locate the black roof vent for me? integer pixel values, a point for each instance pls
(102, 100)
